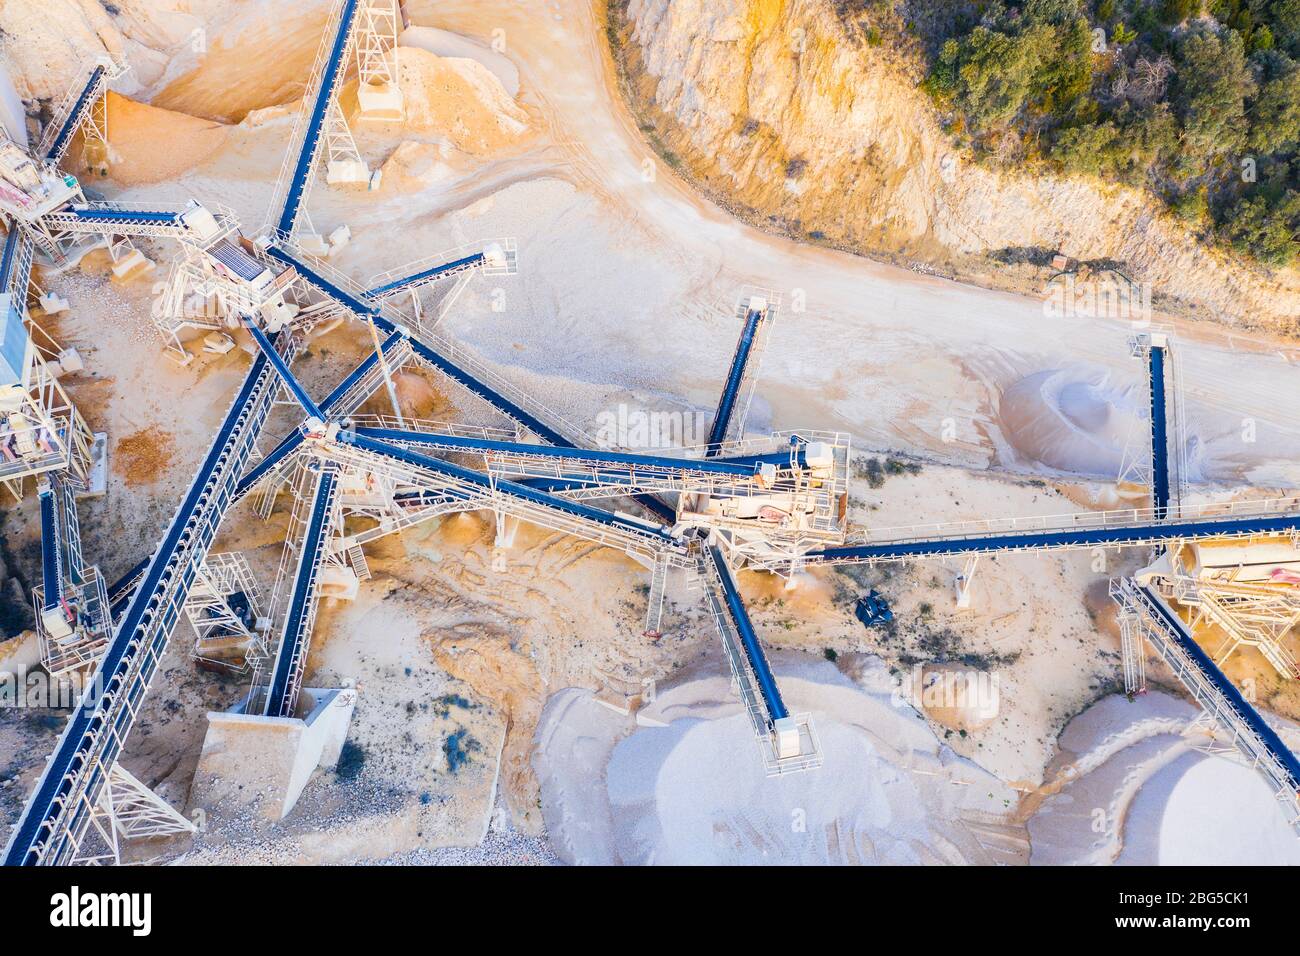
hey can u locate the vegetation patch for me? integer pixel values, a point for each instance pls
(1196, 100)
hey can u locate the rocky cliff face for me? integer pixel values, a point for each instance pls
(782, 115)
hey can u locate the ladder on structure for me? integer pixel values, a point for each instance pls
(357, 558)
(654, 610)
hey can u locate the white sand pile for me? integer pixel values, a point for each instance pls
(1137, 791)
(251, 56)
(1072, 420)
(684, 783)
(1202, 810)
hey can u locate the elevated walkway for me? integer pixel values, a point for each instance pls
(592, 466)
(1125, 528)
(496, 258)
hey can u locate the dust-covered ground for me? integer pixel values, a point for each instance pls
(971, 403)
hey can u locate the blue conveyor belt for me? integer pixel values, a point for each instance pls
(72, 122)
(745, 467)
(735, 376)
(330, 81)
(758, 664)
(425, 276)
(292, 650)
(1034, 540)
(1159, 434)
(51, 547)
(282, 369)
(145, 629)
(1178, 632)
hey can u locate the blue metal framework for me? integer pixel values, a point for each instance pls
(331, 79)
(89, 93)
(58, 813)
(735, 378)
(291, 656)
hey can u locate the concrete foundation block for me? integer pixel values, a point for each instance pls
(263, 763)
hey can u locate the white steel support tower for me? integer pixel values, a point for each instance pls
(225, 609)
(83, 108)
(654, 609)
(40, 430)
(127, 810)
(379, 94)
(1133, 656)
(73, 619)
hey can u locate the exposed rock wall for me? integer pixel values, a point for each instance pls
(783, 116)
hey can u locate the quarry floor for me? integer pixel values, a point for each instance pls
(625, 299)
